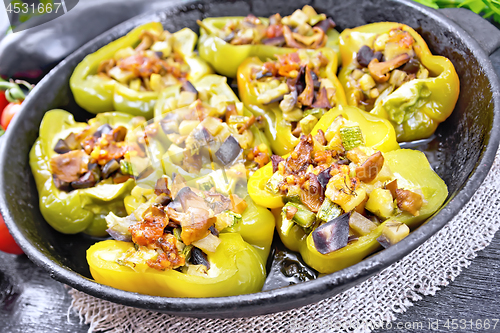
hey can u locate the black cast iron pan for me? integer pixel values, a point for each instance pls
(462, 151)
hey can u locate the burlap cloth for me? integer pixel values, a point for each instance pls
(362, 308)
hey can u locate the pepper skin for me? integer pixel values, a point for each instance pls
(278, 130)
(97, 94)
(417, 107)
(237, 269)
(411, 169)
(378, 133)
(225, 58)
(80, 210)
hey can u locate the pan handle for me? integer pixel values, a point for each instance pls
(485, 33)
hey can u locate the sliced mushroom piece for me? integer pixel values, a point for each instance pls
(369, 170)
(61, 185)
(119, 133)
(312, 193)
(333, 235)
(409, 201)
(290, 41)
(275, 41)
(109, 168)
(68, 167)
(326, 25)
(147, 40)
(380, 70)
(307, 96)
(322, 100)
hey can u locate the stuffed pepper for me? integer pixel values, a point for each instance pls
(183, 241)
(291, 93)
(388, 70)
(202, 127)
(127, 74)
(343, 200)
(226, 41)
(80, 170)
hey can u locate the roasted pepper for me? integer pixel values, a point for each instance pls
(412, 170)
(195, 123)
(225, 42)
(198, 240)
(378, 134)
(291, 94)
(388, 70)
(84, 209)
(336, 200)
(127, 74)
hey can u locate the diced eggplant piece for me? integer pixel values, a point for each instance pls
(303, 216)
(393, 232)
(71, 141)
(379, 56)
(61, 185)
(333, 235)
(199, 258)
(86, 181)
(412, 66)
(214, 231)
(228, 151)
(109, 168)
(229, 37)
(329, 211)
(392, 186)
(62, 147)
(364, 55)
(326, 25)
(103, 129)
(118, 227)
(262, 74)
(275, 41)
(360, 224)
(188, 86)
(324, 177)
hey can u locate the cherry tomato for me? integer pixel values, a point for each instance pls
(8, 113)
(3, 101)
(7, 243)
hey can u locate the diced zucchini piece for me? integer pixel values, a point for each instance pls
(162, 46)
(205, 183)
(208, 244)
(272, 184)
(135, 84)
(397, 77)
(329, 211)
(380, 203)
(197, 270)
(356, 74)
(303, 217)
(186, 98)
(268, 96)
(422, 73)
(121, 75)
(124, 53)
(351, 137)
(226, 219)
(380, 41)
(307, 124)
(187, 126)
(298, 18)
(295, 115)
(175, 153)
(212, 125)
(360, 224)
(393, 232)
(155, 82)
(366, 82)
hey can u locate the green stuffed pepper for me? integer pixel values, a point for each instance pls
(188, 241)
(225, 42)
(388, 70)
(127, 74)
(78, 170)
(343, 200)
(291, 93)
(203, 128)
